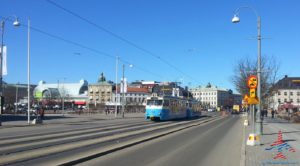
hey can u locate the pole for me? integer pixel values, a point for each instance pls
(116, 106)
(253, 118)
(1, 84)
(123, 92)
(16, 108)
(259, 118)
(63, 97)
(28, 71)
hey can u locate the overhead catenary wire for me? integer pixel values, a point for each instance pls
(86, 47)
(93, 50)
(119, 37)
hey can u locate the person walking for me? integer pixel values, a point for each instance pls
(272, 112)
(42, 113)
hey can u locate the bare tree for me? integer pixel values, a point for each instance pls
(246, 67)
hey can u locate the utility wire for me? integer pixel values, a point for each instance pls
(92, 49)
(85, 47)
(118, 37)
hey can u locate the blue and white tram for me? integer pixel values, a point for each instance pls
(169, 107)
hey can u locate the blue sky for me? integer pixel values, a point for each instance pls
(195, 37)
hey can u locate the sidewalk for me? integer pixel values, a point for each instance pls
(21, 120)
(280, 144)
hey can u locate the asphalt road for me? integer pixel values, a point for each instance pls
(55, 144)
(216, 143)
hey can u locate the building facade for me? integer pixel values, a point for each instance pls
(285, 94)
(72, 93)
(214, 97)
(100, 93)
(134, 99)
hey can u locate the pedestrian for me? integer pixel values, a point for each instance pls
(272, 112)
(106, 110)
(42, 112)
(80, 109)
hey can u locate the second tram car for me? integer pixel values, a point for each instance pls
(169, 108)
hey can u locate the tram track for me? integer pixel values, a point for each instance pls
(18, 136)
(43, 146)
(35, 142)
(56, 135)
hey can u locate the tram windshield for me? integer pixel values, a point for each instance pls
(154, 102)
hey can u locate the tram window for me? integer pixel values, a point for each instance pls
(154, 102)
(166, 102)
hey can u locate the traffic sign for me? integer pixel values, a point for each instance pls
(245, 99)
(252, 82)
(252, 93)
(253, 100)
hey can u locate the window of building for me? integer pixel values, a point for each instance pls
(291, 100)
(279, 93)
(279, 100)
(291, 93)
(298, 100)
(285, 93)
(285, 100)
(298, 93)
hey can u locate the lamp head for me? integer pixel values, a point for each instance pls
(235, 19)
(16, 23)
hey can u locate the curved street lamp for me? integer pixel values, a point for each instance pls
(15, 23)
(123, 89)
(236, 19)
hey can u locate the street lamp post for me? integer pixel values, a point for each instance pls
(116, 92)
(123, 92)
(15, 23)
(16, 107)
(63, 97)
(28, 71)
(236, 19)
(123, 89)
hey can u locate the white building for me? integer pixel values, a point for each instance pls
(285, 94)
(70, 92)
(212, 96)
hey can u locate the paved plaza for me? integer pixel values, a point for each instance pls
(280, 144)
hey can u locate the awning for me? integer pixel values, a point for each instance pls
(288, 106)
(80, 102)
